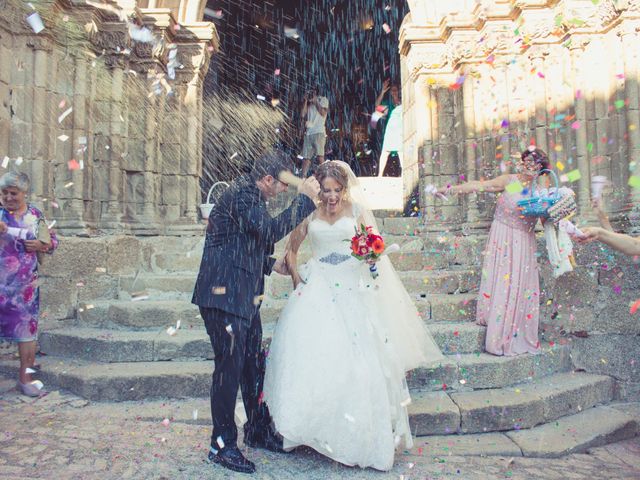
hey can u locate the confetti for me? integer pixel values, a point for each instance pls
(35, 22)
(65, 114)
(634, 181)
(63, 138)
(574, 175)
(634, 307)
(141, 34)
(166, 422)
(386, 28)
(18, 161)
(514, 187)
(73, 164)
(195, 414)
(219, 290)
(101, 270)
(5, 162)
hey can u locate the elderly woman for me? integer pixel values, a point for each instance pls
(24, 235)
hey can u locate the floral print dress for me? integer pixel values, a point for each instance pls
(19, 293)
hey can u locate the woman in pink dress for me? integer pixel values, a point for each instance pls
(509, 297)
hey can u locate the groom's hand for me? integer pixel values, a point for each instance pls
(281, 267)
(310, 187)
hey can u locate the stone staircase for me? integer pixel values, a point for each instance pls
(118, 349)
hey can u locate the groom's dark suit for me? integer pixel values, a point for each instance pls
(237, 254)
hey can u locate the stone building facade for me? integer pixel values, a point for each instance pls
(482, 80)
(108, 128)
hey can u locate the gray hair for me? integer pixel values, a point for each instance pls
(15, 179)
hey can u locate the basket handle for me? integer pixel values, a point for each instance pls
(212, 187)
(553, 174)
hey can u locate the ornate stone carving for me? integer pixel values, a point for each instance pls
(632, 6)
(40, 43)
(604, 14)
(109, 41)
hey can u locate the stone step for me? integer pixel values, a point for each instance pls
(456, 373)
(431, 413)
(278, 286)
(577, 433)
(508, 408)
(193, 343)
(482, 370)
(139, 314)
(152, 313)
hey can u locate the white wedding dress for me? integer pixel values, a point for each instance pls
(335, 377)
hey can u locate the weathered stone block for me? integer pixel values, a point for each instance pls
(170, 190)
(98, 287)
(170, 158)
(123, 255)
(491, 410)
(433, 413)
(591, 428)
(608, 354)
(58, 297)
(76, 258)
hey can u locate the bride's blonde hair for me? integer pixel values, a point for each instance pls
(333, 170)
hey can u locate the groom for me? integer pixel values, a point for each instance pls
(239, 241)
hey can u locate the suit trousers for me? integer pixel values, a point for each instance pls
(239, 362)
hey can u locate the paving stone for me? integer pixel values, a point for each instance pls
(576, 433)
(471, 445)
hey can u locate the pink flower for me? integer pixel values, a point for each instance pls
(27, 294)
(12, 264)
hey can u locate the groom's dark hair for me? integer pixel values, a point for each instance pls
(271, 163)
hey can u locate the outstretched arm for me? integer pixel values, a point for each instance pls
(619, 241)
(596, 204)
(497, 184)
(385, 88)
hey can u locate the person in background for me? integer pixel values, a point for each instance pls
(314, 109)
(392, 105)
(23, 235)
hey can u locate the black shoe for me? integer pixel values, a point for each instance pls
(264, 438)
(232, 458)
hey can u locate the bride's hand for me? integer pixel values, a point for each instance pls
(297, 279)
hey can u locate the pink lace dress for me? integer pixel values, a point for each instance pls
(509, 298)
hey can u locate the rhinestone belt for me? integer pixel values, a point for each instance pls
(334, 258)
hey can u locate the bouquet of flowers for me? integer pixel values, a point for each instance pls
(367, 246)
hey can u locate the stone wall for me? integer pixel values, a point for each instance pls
(485, 79)
(127, 156)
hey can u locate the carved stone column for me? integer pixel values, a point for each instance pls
(580, 110)
(631, 54)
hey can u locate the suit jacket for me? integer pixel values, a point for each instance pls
(238, 247)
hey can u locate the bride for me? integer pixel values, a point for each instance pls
(335, 377)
